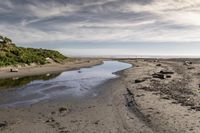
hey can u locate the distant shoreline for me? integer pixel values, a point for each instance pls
(137, 57)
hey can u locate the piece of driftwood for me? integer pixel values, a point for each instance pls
(14, 70)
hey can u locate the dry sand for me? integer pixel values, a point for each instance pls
(169, 105)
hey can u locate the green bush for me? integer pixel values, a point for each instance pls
(10, 54)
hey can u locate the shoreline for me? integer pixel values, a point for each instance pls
(158, 105)
(48, 68)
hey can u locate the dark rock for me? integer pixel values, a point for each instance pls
(197, 108)
(50, 120)
(62, 109)
(140, 95)
(53, 112)
(79, 71)
(158, 65)
(175, 102)
(166, 72)
(96, 122)
(3, 124)
(139, 80)
(166, 97)
(168, 76)
(64, 131)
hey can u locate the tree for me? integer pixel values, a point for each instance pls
(5, 40)
(1, 38)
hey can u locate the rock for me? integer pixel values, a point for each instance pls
(50, 120)
(62, 109)
(64, 131)
(79, 71)
(168, 76)
(140, 95)
(166, 72)
(53, 112)
(197, 108)
(166, 97)
(158, 65)
(3, 124)
(139, 80)
(96, 122)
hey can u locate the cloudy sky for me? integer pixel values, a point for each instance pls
(104, 27)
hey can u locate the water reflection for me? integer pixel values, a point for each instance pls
(75, 84)
(19, 82)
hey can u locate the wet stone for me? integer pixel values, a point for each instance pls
(3, 124)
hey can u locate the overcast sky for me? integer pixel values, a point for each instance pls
(102, 27)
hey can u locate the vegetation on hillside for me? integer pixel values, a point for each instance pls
(10, 54)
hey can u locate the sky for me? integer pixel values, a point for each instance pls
(104, 27)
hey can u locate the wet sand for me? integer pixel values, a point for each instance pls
(156, 101)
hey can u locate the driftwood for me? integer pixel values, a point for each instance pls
(14, 70)
(158, 75)
(166, 72)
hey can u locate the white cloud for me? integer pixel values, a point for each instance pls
(51, 9)
(102, 20)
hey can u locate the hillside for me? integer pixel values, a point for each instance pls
(10, 54)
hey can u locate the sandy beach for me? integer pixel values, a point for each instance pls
(154, 96)
(48, 68)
